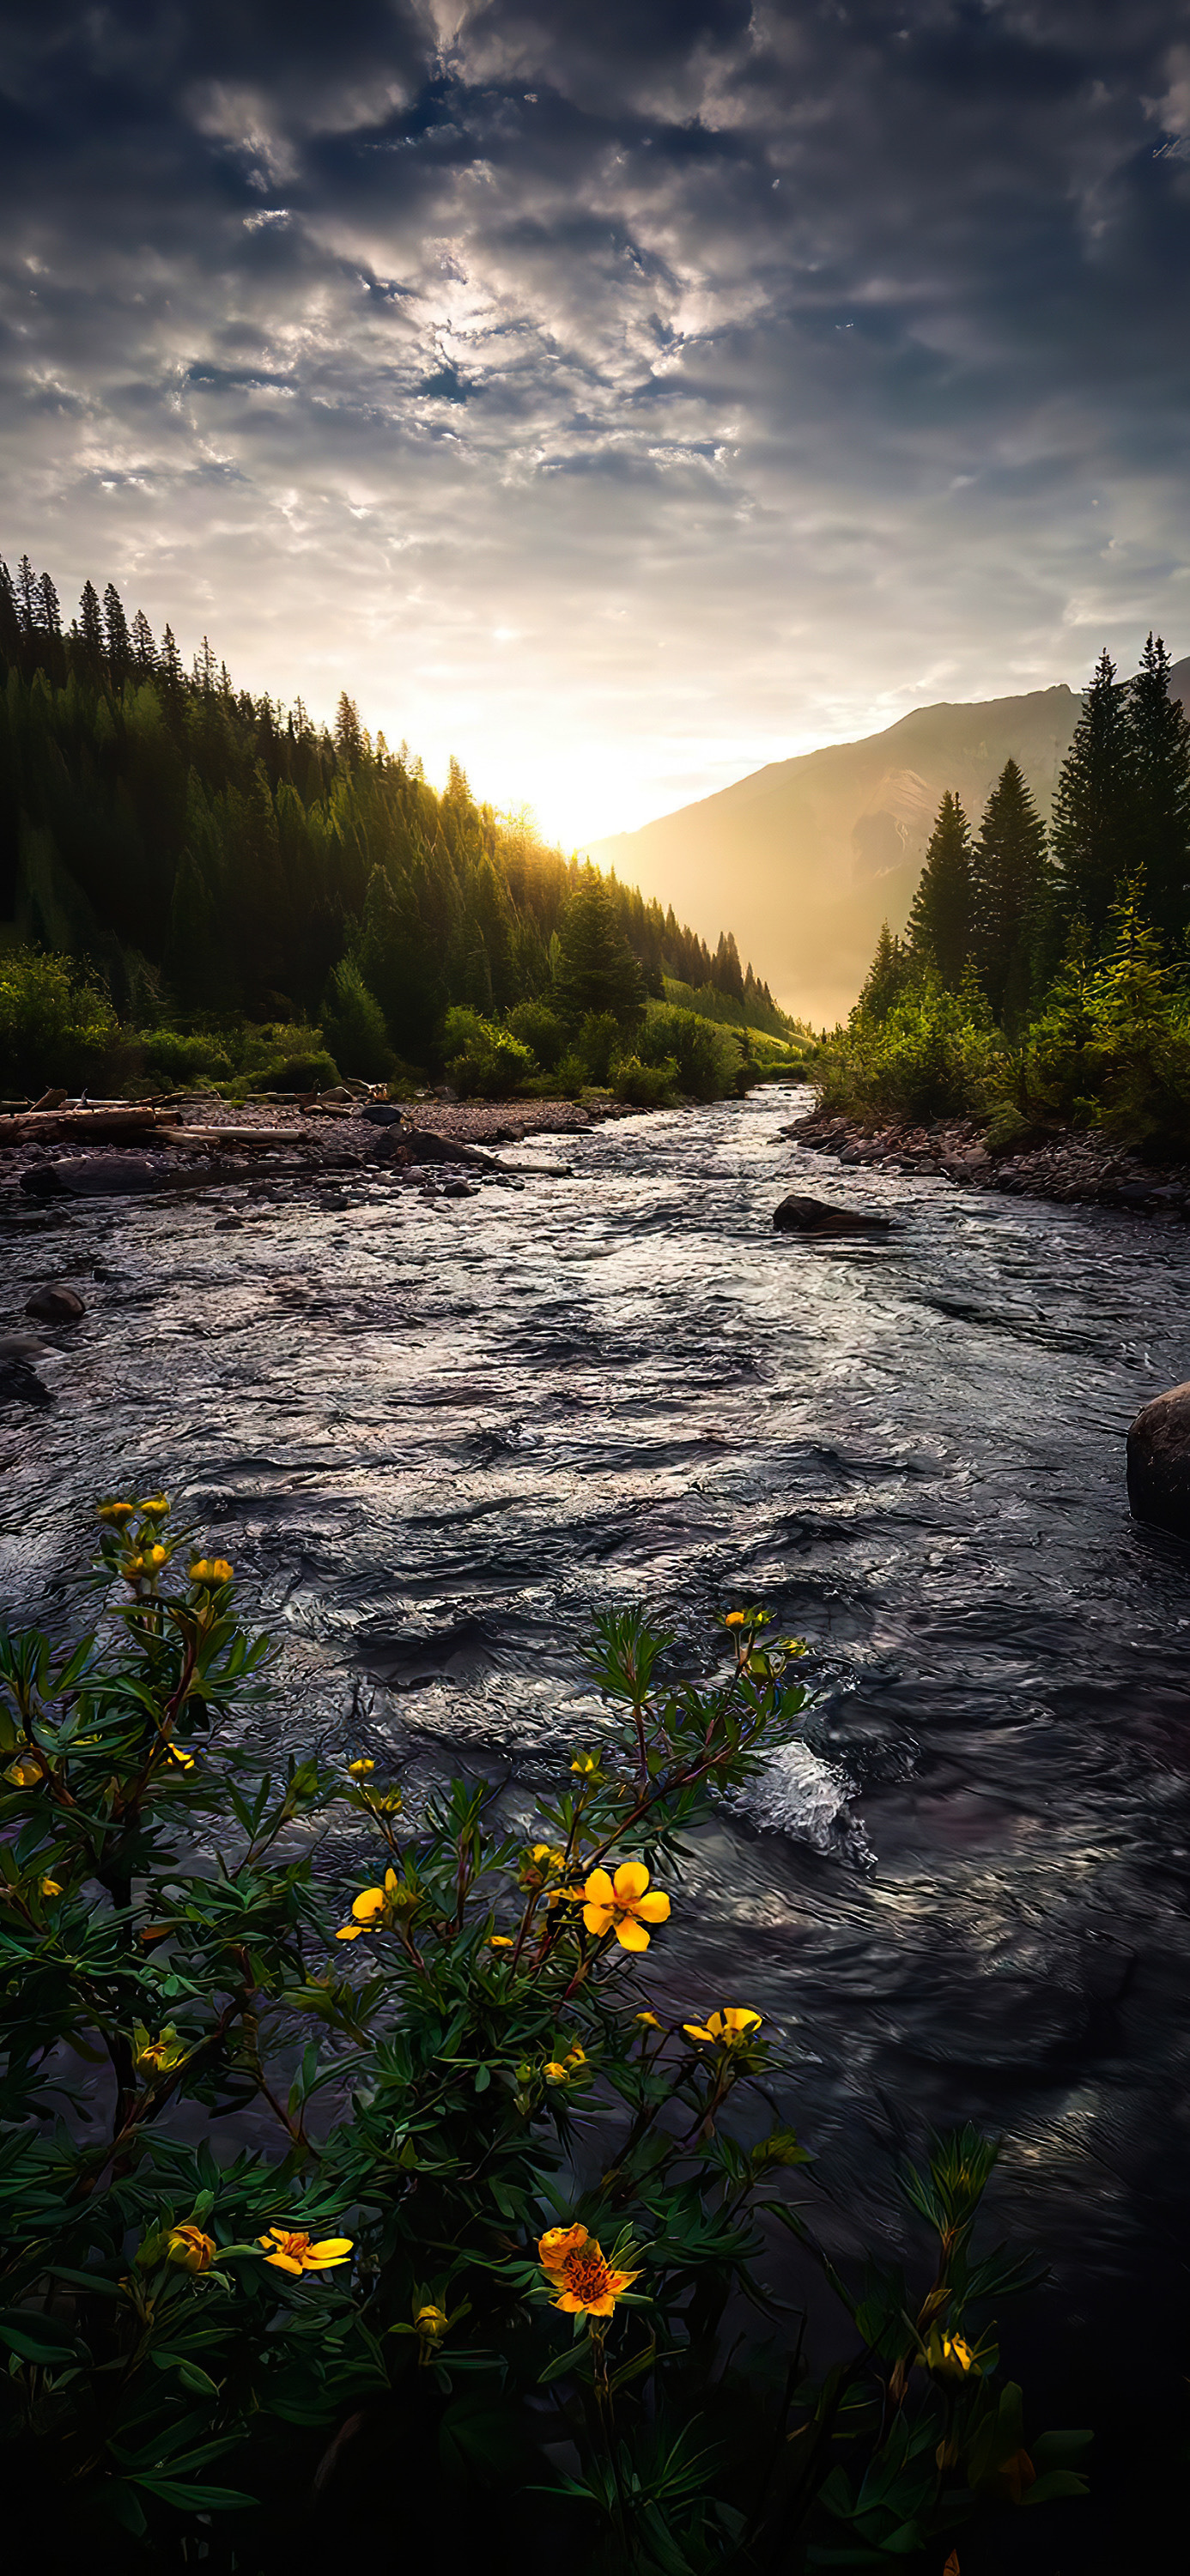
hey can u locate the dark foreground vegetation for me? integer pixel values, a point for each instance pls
(359, 2203)
(196, 884)
(1044, 980)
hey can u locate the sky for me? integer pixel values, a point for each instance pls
(618, 394)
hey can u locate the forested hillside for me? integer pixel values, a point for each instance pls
(1045, 974)
(213, 853)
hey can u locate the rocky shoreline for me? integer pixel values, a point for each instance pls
(272, 1144)
(1072, 1167)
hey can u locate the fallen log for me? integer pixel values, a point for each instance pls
(62, 1126)
(217, 1137)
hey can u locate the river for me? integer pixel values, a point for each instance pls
(435, 1434)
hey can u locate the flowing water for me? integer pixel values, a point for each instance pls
(436, 1434)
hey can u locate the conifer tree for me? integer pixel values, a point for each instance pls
(1160, 750)
(115, 633)
(890, 974)
(10, 623)
(144, 649)
(1008, 886)
(596, 970)
(28, 598)
(1093, 827)
(90, 624)
(51, 612)
(940, 923)
(726, 972)
(171, 663)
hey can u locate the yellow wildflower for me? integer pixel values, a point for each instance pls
(116, 1512)
(156, 1556)
(25, 1772)
(554, 2072)
(360, 1770)
(575, 2266)
(621, 1905)
(952, 2356)
(734, 1619)
(158, 2056)
(289, 2249)
(586, 1765)
(730, 2027)
(501, 1941)
(155, 1507)
(431, 2323)
(190, 2249)
(375, 1902)
(211, 1570)
(177, 1753)
(51, 1887)
(651, 2019)
(132, 1568)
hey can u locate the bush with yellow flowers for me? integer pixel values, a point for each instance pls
(391, 2215)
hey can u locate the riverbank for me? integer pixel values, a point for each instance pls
(1075, 1167)
(204, 1142)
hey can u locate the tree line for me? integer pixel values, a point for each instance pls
(1000, 909)
(213, 852)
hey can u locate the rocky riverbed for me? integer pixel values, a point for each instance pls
(1072, 1167)
(270, 1144)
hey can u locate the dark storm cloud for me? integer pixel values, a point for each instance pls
(639, 385)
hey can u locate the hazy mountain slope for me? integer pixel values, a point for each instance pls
(808, 857)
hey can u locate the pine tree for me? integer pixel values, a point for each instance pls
(115, 633)
(726, 972)
(28, 598)
(893, 969)
(596, 970)
(1093, 827)
(1160, 745)
(51, 612)
(144, 648)
(940, 923)
(10, 623)
(1008, 883)
(90, 624)
(349, 733)
(171, 663)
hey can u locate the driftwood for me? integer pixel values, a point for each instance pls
(216, 1138)
(62, 1126)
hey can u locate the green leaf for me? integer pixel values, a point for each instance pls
(36, 2338)
(196, 2499)
(1055, 2482)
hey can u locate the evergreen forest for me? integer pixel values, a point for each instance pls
(196, 880)
(1044, 975)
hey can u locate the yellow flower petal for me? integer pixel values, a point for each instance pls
(369, 1905)
(597, 1918)
(631, 1935)
(632, 1878)
(598, 1888)
(654, 1908)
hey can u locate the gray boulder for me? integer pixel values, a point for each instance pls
(91, 1176)
(1159, 1462)
(800, 1215)
(55, 1306)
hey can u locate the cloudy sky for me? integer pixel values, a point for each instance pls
(619, 393)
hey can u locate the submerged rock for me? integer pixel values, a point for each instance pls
(55, 1306)
(1159, 1462)
(91, 1176)
(800, 1215)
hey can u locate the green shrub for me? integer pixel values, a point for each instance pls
(483, 1060)
(354, 1028)
(313, 1071)
(709, 1059)
(934, 1055)
(57, 1026)
(393, 2181)
(645, 1085)
(186, 1059)
(540, 1029)
(599, 1041)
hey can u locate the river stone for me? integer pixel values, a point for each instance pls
(381, 1113)
(800, 1215)
(55, 1306)
(1159, 1462)
(90, 1176)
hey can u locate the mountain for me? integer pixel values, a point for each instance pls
(809, 856)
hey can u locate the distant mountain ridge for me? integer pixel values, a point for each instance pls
(809, 856)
